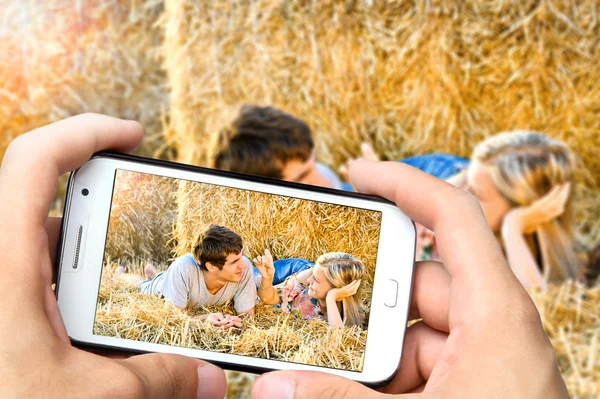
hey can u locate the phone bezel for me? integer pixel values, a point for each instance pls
(379, 364)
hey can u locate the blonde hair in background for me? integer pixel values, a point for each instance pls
(524, 166)
(341, 269)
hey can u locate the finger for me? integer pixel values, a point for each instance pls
(28, 179)
(368, 152)
(34, 161)
(218, 323)
(309, 384)
(442, 208)
(237, 324)
(53, 231)
(174, 376)
(422, 348)
(430, 295)
(548, 198)
(343, 171)
(565, 193)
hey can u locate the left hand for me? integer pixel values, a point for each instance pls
(337, 294)
(541, 211)
(37, 357)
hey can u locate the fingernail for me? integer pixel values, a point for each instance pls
(275, 385)
(211, 382)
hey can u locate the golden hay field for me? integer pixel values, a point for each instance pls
(407, 77)
(124, 312)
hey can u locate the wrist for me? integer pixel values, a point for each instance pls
(512, 223)
(266, 284)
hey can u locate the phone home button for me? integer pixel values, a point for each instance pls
(392, 294)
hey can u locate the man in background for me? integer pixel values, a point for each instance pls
(268, 142)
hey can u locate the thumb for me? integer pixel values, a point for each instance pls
(175, 376)
(309, 384)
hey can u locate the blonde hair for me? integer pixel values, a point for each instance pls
(341, 269)
(525, 166)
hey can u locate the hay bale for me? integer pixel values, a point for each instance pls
(288, 227)
(407, 77)
(570, 314)
(142, 218)
(72, 57)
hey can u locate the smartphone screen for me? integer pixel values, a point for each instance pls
(333, 245)
(160, 257)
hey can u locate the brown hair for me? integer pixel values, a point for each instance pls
(215, 244)
(260, 141)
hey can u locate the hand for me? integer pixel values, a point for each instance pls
(367, 154)
(37, 359)
(543, 210)
(264, 264)
(225, 322)
(480, 335)
(337, 294)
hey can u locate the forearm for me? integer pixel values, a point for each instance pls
(333, 314)
(519, 256)
(268, 294)
(303, 276)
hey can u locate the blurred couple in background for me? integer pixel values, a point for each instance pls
(522, 180)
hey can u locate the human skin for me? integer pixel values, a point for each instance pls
(480, 335)
(36, 356)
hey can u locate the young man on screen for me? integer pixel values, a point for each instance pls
(213, 274)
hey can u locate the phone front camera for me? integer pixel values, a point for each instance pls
(85, 192)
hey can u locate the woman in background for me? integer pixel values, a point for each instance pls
(522, 180)
(329, 290)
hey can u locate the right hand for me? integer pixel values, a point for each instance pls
(480, 334)
(337, 294)
(264, 264)
(541, 211)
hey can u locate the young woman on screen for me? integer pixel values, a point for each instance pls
(330, 290)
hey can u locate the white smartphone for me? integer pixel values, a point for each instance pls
(124, 213)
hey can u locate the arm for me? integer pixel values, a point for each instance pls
(266, 292)
(525, 220)
(519, 256)
(334, 318)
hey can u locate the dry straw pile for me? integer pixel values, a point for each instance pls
(571, 316)
(407, 77)
(65, 57)
(142, 218)
(124, 312)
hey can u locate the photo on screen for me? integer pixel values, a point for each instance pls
(185, 262)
